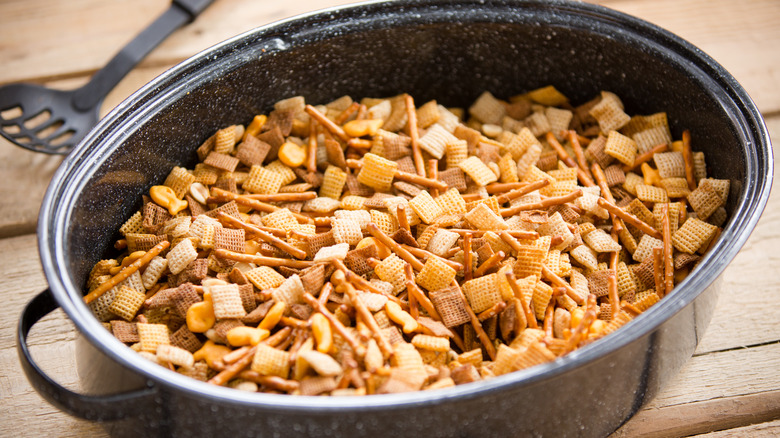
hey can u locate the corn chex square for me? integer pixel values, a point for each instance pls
(377, 172)
(435, 274)
(482, 293)
(425, 207)
(227, 301)
(482, 217)
(621, 148)
(477, 171)
(692, 235)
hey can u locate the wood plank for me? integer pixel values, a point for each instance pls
(39, 43)
(741, 36)
(769, 429)
(727, 415)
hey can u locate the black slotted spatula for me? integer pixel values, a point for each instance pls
(54, 121)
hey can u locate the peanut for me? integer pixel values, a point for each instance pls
(399, 316)
(199, 192)
(166, 198)
(360, 128)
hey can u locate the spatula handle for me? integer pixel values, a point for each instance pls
(178, 14)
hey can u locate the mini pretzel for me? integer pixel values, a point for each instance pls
(520, 191)
(127, 271)
(273, 240)
(411, 123)
(220, 195)
(568, 160)
(690, 174)
(558, 281)
(283, 197)
(323, 120)
(529, 315)
(395, 247)
(629, 218)
(483, 337)
(668, 261)
(490, 263)
(549, 202)
(576, 146)
(646, 156)
(262, 260)
(467, 257)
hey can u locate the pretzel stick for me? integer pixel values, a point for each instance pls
(601, 180)
(220, 195)
(234, 368)
(612, 286)
(394, 246)
(630, 309)
(403, 220)
(311, 157)
(490, 263)
(582, 327)
(414, 309)
(568, 160)
(368, 319)
(549, 202)
(361, 112)
(547, 322)
(273, 382)
(361, 282)
(127, 271)
(262, 260)
(323, 120)
(483, 337)
(494, 310)
(283, 197)
(520, 191)
(529, 315)
(405, 176)
(335, 323)
(668, 262)
(295, 323)
(411, 122)
(520, 234)
(433, 173)
(346, 113)
(470, 197)
(690, 175)
(494, 188)
(300, 338)
(578, 152)
(629, 218)
(418, 294)
(467, 256)
(646, 156)
(273, 240)
(423, 254)
(558, 281)
(327, 288)
(658, 271)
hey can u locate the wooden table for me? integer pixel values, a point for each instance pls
(731, 387)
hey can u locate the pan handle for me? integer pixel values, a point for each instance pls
(88, 407)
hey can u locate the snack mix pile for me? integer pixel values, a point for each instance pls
(373, 246)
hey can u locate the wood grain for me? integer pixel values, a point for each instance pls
(729, 388)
